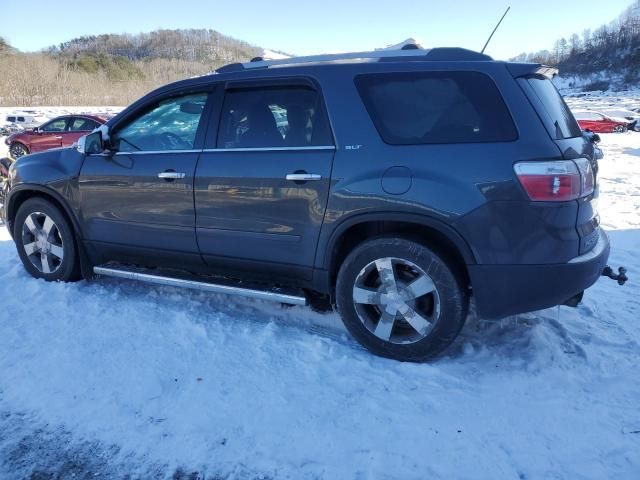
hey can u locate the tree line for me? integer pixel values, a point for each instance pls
(614, 46)
(112, 69)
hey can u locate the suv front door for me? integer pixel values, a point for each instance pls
(262, 182)
(137, 199)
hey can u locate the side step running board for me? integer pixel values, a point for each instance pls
(266, 294)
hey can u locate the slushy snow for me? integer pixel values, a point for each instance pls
(109, 378)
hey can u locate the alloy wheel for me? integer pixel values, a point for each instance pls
(396, 300)
(16, 150)
(42, 242)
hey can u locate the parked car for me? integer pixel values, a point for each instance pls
(24, 120)
(62, 131)
(392, 185)
(9, 128)
(600, 123)
(633, 118)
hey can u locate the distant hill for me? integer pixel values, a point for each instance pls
(610, 53)
(113, 69)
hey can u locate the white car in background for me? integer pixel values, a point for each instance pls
(25, 120)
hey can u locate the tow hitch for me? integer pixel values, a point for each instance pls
(621, 277)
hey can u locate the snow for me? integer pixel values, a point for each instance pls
(107, 378)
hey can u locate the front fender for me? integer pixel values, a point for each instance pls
(18, 193)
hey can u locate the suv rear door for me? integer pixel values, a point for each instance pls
(262, 184)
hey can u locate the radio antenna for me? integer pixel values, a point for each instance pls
(494, 30)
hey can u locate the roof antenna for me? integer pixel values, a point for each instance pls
(494, 30)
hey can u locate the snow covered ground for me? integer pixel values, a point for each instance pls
(108, 378)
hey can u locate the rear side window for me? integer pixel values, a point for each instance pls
(436, 107)
(80, 124)
(272, 117)
(554, 106)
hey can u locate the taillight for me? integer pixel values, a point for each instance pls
(587, 176)
(556, 181)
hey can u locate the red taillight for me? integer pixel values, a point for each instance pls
(556, 181)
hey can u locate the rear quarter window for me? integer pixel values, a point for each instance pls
(412, 108)
(554, 107)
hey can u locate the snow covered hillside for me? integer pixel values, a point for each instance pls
(107, 378)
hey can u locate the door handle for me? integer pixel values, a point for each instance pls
(171, 175)
(303, 177)
(58, 138)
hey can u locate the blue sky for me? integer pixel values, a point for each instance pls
(316, 27)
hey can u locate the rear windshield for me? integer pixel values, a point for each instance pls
(412, 108)
(553, 104)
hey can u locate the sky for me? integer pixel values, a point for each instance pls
(323, 26)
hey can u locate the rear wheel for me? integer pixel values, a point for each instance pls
(18, 150)
(45, 241)
(400, 300)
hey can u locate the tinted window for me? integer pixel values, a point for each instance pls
(291, 116)
(436, 107)
(21, 119)
(80, 124)
(566, 126)
(11, 119)
(55, 125)
(171, 124)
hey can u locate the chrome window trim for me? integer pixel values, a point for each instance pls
(149, 152)
(213, 150)
(269, 149)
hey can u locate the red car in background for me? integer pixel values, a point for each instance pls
(600, 123)
(62, 131)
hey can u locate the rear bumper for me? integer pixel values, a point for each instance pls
(502, 290)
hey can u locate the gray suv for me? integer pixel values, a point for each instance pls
(392, 185)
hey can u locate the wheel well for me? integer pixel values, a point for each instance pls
(21, 143)
(24, 195)
(427, 236)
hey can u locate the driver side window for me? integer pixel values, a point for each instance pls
(55, 126)
(170, 124)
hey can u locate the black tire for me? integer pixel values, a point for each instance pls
(18, 150)
(60, 240)
(449, 302)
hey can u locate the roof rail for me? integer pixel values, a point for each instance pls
(411, 53)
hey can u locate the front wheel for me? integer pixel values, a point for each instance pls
(18, 150)
(45, 241)
(400, 300)
(620, 129)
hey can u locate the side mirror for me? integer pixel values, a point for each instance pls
(36, 130)
(91, 144)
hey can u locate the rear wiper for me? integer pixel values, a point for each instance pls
(559, 133)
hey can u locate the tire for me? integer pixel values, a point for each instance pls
(46, 241)
(619, 129)
(367, 301)
(18, 150)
